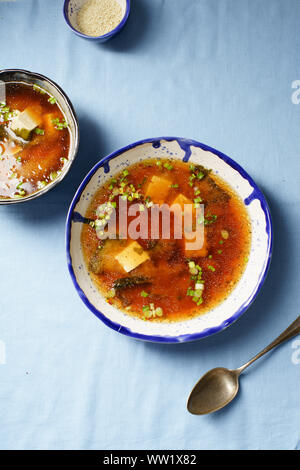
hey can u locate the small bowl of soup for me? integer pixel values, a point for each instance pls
(38, 135)
(168, 240)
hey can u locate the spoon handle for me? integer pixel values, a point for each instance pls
(290, 332)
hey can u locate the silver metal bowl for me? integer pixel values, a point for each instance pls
(16, 75)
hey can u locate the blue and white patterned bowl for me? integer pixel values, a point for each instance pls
(71, 8)
(246, 290)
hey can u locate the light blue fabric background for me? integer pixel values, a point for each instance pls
(219, 71)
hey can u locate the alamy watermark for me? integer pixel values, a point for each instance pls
(296, 94)
(296, 353)
(2, 353)
(295, 97)
(144, 221)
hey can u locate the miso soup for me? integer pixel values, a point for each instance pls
(34, 140)
(159, 279)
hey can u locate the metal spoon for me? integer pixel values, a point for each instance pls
(219, 386)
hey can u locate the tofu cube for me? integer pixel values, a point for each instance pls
(181, 200)
(178, 209)
(25, 122)
(158, 189)
(132, 256)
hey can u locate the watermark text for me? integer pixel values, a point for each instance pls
(2, 353)
(296, 353)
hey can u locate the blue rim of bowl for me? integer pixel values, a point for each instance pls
(185, 144)
(113, 32)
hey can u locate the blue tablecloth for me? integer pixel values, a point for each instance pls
(218, 71)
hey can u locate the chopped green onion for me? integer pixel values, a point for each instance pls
(190, 292)
(225, 234)
(59, 125)
(168, 166)
(111, 293)
(159, 311)
(39, 89)
(53, 175)
(210, 219)
(151, 311)
(41, 184)
(39, 131)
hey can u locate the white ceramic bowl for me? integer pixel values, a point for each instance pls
(247, 288)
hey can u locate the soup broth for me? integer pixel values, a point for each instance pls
(159, 279)
(34, 140)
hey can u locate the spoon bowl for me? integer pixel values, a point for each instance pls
(219, 386)
(215, 389)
